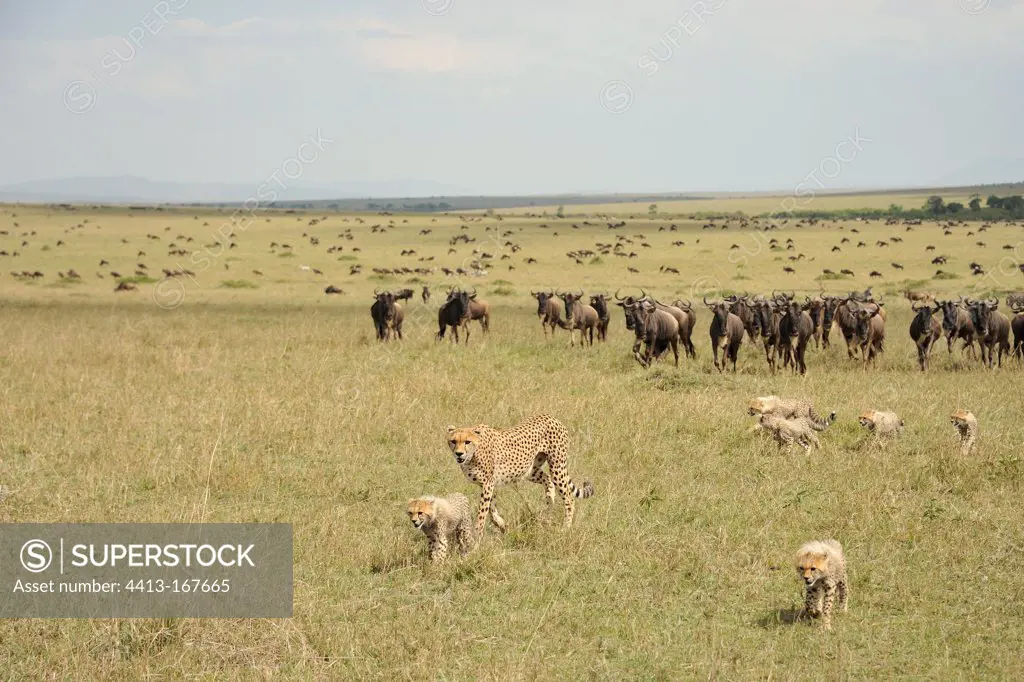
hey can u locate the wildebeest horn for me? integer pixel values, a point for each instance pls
(580, 295)
(375, 292)
(706, 302)
(643, 294)
(689, 303)
(617, 297)
(532, 292)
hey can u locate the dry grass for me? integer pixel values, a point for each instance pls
(679, 567)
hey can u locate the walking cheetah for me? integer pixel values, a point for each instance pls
(822, 567)
(967, 426)
(789, 431)
(882, 424)
(440, 518)
(491, 457)
(790, 409)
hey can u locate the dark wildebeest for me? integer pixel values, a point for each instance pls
(479, 309)
(404, 295)
(827, 316)
(815, 307)
(726, 333)
(958, 325)
(453, 313)
(425, 295)
(794, 325)
(740, 307)
(579, 315)
(387, 316)
(766, 323)
(925, 330)
(659, 330)
(549, 310)
(1018, 328)
(870, 331)
(599, 302)
(993, 329)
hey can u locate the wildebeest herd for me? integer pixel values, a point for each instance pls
(780, 323)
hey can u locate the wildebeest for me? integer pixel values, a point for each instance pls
(957, 324)
(766, 323)
(827, 316)
(480, 310)
(404, 295)
(815, 307)
(726, 333)
(686, 327)
(794, 325)
(740, 307)
(658, 330)
(925, 330)
(1018, 328)
(846, 318)
(599, 302)
(453, 313)
(993, 329)
(549, 310)
(579, 315)
(870, 331)
(425, 295)
(387, 316)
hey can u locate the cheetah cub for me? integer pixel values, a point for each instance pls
(440, 518)
(788, 431)
(967, 426)
(822, 567)
(882, 424)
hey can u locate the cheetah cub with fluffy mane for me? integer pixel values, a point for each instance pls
(440, 518)
(788, 431)
(882, 424)
(822, 567)
(967, 426)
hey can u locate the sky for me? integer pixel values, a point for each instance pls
(532, 96)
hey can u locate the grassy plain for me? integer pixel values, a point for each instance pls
(269, 401)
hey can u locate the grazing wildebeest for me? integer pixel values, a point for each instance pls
(726, 333)
(658, 329)
(870, 331)
(925, 330)
(795, 324)
(599, 302)
(387, 315)
(549, 310)
(480, 310)
(958, 325)
(993, 329)
(404, 295)
(1018, 329)
(579, 315)
(766, 323)
(453, 313)
(425, 295)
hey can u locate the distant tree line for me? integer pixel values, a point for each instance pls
(995, 208)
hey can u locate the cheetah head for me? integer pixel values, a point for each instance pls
(812, 567)
(421, 512)
(867, 420)
(463, 443)
(959, 418)
(760, 405)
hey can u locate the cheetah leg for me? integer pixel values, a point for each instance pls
(498, 521)
(841, 588)
(827, 604)
(812, 607)
(538, 475)
(561, 481)
(438, 548)
(485, 507)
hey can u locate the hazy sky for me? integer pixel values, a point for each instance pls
(512, 97)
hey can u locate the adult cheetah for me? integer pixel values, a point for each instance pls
(491, 457)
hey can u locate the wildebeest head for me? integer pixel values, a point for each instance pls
(950, 313)
(570, 299)
(864, 316)
(542, 300)
(923, 316)
(599, 302)
(628, 305)
(981, 312)
(719, 311)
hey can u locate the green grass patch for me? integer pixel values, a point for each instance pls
(238, 284)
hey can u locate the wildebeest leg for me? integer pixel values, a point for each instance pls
(675, 350)
(734, 354)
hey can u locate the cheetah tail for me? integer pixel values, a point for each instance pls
(587, 490)
(818, 423)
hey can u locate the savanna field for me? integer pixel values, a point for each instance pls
(243, 393)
